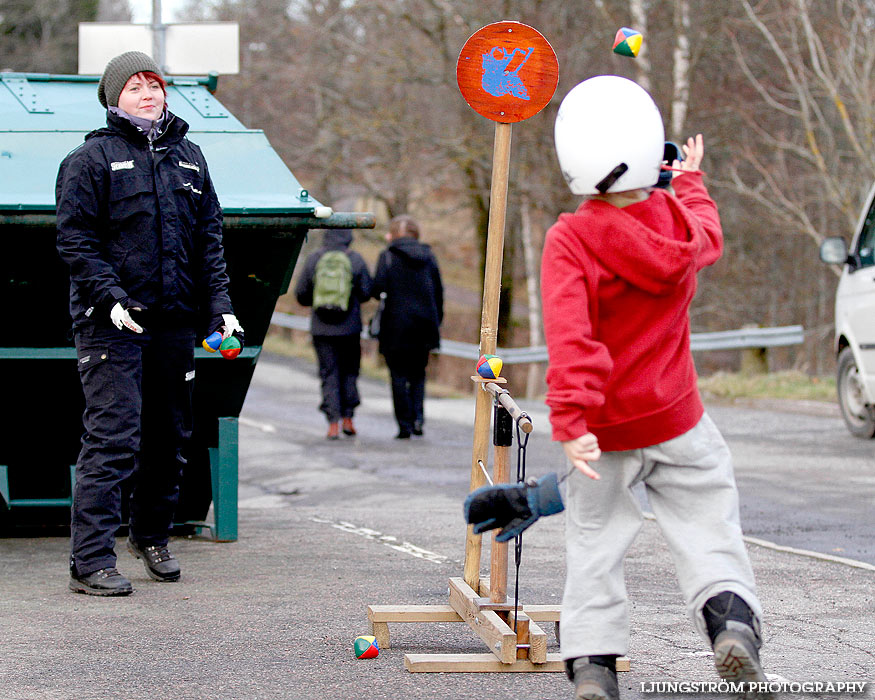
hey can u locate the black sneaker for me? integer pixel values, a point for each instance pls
(105, 582)
(161, 565)
(417, 428)
(593, 681)
(735, 638)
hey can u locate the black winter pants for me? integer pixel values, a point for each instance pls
(407, 370)
(137, 420)
(339, 358)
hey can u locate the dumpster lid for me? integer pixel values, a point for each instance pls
(43, 117)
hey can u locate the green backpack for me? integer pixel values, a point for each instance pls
(332, 285)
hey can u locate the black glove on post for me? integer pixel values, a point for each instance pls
(512, 507)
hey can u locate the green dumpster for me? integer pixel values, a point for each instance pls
(267, 216)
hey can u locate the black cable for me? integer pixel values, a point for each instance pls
(518, 540)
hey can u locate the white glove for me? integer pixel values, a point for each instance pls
(121, 317)
(232, 325)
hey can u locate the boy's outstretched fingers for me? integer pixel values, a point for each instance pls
(694, 151)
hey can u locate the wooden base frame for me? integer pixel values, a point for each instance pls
(509, 652)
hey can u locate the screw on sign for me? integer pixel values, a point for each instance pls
(507, 72)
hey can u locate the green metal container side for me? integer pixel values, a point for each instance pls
(267, 217)
(44, 117)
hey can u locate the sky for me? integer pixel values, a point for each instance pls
(142, 10)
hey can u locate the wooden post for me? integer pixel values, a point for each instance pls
(483, 604)
(488, 327)
(498, 562)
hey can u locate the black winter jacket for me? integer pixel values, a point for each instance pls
(141, 220)
(351, 323)
(408, 272)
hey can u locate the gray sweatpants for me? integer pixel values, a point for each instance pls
(691, 488)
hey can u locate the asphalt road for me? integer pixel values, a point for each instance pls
(328, 528)
(804, 481)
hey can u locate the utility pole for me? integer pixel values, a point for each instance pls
(159, 36)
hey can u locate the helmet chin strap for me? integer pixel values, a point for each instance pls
(608, 181)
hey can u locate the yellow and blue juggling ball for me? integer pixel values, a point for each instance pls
(212, 342)
(628, 42)
(489, 366)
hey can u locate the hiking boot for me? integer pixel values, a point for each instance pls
(333, 431)
(735, 638)
(348, 427)
(594, 681)
(104, 582)
(161, 565)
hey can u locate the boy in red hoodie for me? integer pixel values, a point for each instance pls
(618, 276)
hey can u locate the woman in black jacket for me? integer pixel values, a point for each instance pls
(408, 273)
(140, 227)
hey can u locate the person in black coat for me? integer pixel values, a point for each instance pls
(140, 227)
(337, 335)
(408, 273)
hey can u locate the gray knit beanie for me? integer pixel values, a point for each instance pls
(117, 73)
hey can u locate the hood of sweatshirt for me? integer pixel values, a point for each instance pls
(653, 245)
(411, 251)
(337, 238)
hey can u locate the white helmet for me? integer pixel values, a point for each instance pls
(609, 136)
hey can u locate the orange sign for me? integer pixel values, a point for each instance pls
(507, 71)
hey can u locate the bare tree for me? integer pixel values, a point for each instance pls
(40, 35)
(681, 69)
(810, 157)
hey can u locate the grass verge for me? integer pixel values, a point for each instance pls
(790, 385)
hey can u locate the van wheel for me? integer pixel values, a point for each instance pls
(859, 416)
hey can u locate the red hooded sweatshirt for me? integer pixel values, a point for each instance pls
(617, 284)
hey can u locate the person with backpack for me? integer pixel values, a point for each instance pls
(407, 273)
(334, 282)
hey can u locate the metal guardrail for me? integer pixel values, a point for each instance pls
(718, 340)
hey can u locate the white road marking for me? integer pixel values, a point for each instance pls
(814, 555)
(387, 540)
(801, 552)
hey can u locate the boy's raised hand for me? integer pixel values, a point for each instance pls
(694, 151)
(581, 451)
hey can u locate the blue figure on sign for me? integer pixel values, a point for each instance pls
(498, 79)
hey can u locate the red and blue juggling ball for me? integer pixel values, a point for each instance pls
(366, 647)
(230, 347)
(489, 366)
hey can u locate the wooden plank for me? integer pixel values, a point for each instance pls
(537, 644)
(380, 630)
(412, 613)
(543, 613)
(521, 628)
(478, 663)
(486, 624)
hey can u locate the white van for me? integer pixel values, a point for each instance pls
(855, 322)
